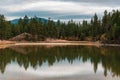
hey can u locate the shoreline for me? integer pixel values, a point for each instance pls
(6, 44)
(55, 43)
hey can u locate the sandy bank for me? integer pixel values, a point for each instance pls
(5, 44)
(61, 43)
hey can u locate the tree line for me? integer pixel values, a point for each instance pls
(105, 29)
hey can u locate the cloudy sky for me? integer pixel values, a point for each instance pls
(56, 9)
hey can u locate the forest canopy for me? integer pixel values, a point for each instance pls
(105, 29)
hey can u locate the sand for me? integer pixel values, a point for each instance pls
(5, 44)
(61, 43)
(53, 42)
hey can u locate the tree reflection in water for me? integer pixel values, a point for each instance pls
(27, 56)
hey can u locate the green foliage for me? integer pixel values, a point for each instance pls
(109, 25)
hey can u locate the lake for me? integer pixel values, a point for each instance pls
(60, 63)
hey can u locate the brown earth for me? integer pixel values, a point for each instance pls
(5, 44)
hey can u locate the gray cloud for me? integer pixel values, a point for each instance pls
(91, 0)
(33, 13)
(107, 2)
(97, 2)
(71, 9)
(81, 16)
(47, 14)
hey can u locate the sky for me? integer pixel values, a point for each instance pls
(56, 9)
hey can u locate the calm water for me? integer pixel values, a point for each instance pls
(60, 63)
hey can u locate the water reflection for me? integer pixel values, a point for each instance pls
(38, 56)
